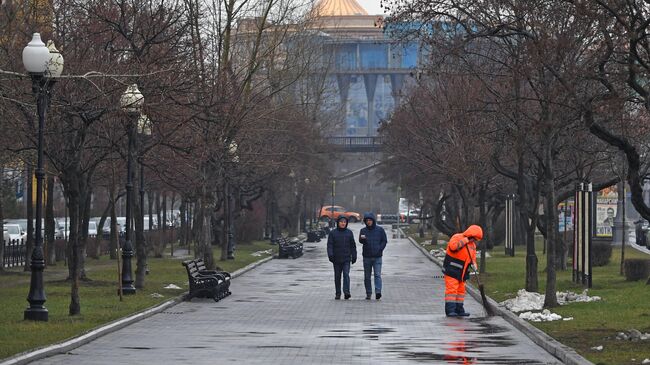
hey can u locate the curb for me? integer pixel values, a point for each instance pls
(562, 352)
(65, 346)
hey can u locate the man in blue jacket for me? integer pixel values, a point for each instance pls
(341, 251)
(373, 238)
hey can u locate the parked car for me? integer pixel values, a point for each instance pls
(62, 228)
(334, 212)
(14, 231)
(387, 218)
(92, 229)
(121, 227)
(412, 216)
(22, 222)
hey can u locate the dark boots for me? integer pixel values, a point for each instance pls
(450, 309)
(460, 310)
(455, 310)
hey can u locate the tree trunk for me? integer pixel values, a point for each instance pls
(482, 222)
(72, 194)
(225, 225)
(140, 246)
(2, 218)
(164, 210)
(100, 231)
(114, 235)
(550, 215)
(161, 242)
(183, 210)
(49, 222)
(84, 219)
(528, 221)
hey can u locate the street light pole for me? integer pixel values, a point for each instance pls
(230, 226)
(44, 64)
(304, 206)
(331, 223)
(131, 102)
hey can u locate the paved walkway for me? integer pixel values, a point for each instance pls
(284, 312)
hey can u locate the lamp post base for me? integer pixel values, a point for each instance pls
(36, 313)
(128, 290)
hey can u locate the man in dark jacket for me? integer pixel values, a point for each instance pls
(373, 238)
(341, 251)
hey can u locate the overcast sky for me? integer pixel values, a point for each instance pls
(371, 6)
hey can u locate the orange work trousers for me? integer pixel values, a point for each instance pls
(454, 290)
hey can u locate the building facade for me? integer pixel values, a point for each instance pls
(369, 67)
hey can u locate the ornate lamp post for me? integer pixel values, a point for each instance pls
(230, 226)
(305, 213)
(44, 65)
(131, 102)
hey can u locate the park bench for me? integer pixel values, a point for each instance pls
(313, 235)
(203, 270)
(289, 247)
(206, 285)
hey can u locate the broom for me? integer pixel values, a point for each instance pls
(488, 308)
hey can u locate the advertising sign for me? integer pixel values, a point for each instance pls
(606, 200)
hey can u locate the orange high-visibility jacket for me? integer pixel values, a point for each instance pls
(461, 252)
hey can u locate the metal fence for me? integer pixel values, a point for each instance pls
(14, 253)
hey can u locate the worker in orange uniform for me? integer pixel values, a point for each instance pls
(461, 252)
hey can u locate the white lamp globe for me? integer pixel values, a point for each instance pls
(55, 65)
(132, 99)
(36, 56)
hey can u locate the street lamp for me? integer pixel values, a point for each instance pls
(44, 65)
(230, 227)
(331, 222)
(304, 207)
(131, 102)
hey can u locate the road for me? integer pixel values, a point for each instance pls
(284, 312)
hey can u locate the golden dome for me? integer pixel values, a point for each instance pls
(339, 8)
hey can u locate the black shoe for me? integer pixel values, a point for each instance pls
(337, 297)
(378, 296)
(368, 296)
(347, 296)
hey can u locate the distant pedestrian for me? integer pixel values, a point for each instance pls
(461, 252)
(341, 251)
(373, 238)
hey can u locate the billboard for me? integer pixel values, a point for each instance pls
(606, 200)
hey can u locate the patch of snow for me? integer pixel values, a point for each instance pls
(525, 301)
(157, 295)
(632, 335)
(567, 318)
(531, 301)
(260, 253)
(544, 316)
(646, 361)
(598, 348)
(172, 286)
(437, 252)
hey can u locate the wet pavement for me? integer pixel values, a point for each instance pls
(284, 312)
